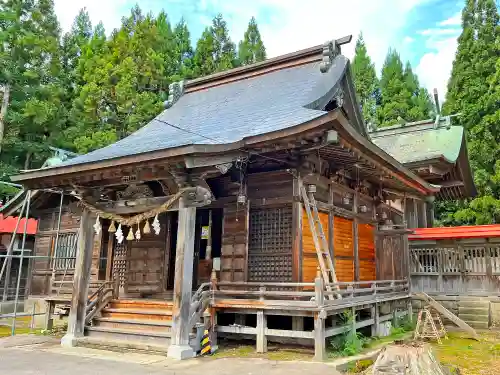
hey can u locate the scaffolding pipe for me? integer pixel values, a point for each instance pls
(52, 262)
(20, 272)
(8, 261)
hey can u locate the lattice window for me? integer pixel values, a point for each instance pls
(120, 262)
(475, 259)
(270, 244)
(424, 260)
(65, 253)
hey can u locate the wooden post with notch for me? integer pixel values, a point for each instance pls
(81, 278)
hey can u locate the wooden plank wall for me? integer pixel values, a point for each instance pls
(343, 245)
(146, 263)
(366, 246)
(234, 251)
(44, 246)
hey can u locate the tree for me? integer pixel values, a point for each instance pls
(33, 112)
(183, 50)
(215, 52)
(126, 81)
(251, 48)
(394, 100)
(365, 81)
(402, 98)
(473, 91)
(419, 100)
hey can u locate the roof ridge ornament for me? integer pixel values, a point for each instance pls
(331, 50)
(175, 91)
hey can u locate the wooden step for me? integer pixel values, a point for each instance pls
(133, 324)
(140, 304)
(137, 314)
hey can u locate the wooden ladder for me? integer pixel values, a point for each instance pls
(320, 243)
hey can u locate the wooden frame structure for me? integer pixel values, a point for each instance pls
(237, 231)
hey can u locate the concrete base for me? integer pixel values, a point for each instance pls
(69, 340)
(7, 307)
(180, 352)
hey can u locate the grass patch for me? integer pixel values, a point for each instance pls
(352, 343)
(470, 356)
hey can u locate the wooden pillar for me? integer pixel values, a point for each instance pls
(376, 319)
(319, 337)
(296, 231)
(49, 316)
(261, 332)
(297, 323)
(179, 348)
(356, 236)
(81, 278)
(331, 219)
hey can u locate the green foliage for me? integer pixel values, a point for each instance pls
(351, 342)
(215, 52)
(365, 81)
(251, 49)
(30, 63)
(473, 91)
(402, 98)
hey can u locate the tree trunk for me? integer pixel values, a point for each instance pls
(3, 112)
(27, 160)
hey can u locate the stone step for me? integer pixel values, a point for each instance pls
(477, 324)
(101, 341)
(133, 324)
(129, 335)
(474, 304)
(474, 317)
(479, 311)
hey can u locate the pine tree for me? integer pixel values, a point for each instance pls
(183, 50)
(365, 81)
(215, 52)
(473, 92)
(419, 100)
(394, 98)
(32, 112)
(126, 78)
(251, 49)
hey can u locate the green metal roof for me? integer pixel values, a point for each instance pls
(420, 141)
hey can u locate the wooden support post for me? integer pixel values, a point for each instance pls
(410, 310)
(179, 348)
(394, 314)
(297, 323)
(296, 231)
(319, 337)
(331, 219)
(356, 236)
(49, 316)
(261, 332)
(319, 289)
(81, 278)
(376, 320)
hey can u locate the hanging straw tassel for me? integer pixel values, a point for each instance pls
(112, 228)
(146, 229)
(130, 235)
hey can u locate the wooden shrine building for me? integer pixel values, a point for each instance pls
(255, 201)
(436, 151)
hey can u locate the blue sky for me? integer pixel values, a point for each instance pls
(423, 31)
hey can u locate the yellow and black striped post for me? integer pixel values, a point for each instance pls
(205, 344)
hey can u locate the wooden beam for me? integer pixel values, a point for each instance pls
(356, 236)
(81, 278)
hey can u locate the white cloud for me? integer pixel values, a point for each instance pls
(301, 24)
(455, 20)
(429, 32)
(408, 40)
(434, 68)
(106, 11)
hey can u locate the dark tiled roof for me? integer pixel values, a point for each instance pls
(230, 112)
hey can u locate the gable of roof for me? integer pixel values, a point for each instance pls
(227, 107)
(421, 141)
